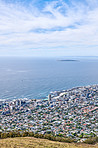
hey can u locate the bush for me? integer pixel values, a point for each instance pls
(31, 134)
(93, 140)
(25, 134)
(36, 135)
(62, 139)
(3, 135)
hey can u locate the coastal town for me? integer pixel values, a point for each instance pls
(71, 112)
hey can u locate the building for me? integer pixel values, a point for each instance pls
(49, 97)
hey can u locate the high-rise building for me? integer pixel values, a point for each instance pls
(49, 97)
(20, 102)
(11, 109)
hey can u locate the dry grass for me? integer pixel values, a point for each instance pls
(29, 142)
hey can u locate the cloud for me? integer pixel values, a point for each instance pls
(57, 26)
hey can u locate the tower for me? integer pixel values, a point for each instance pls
(49, 97)
(11, 109)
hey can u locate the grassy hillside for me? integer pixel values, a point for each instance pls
(29, 142)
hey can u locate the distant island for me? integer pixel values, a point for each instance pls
(67, 60)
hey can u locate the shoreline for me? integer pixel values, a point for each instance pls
(51, 92)
(71, 112)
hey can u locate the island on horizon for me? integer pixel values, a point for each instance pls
(67, 60)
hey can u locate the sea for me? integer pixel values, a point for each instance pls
(35, 78)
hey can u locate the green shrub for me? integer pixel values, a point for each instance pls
(93, 140)
(3, 135)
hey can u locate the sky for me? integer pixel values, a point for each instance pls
(48, 28)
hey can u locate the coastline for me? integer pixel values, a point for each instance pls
(71, 112)
(52, 92)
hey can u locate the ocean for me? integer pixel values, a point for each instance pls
(28, 77)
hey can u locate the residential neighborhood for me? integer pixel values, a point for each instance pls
(72, 112)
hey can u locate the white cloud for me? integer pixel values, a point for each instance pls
(57, 26)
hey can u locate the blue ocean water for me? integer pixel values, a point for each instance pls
(37, 77)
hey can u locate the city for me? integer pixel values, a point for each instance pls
(71, 112)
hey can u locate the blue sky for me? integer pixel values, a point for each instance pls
(48, 28)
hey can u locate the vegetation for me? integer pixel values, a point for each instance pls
(57, 138)
(92, 140)
(36, 135)
(31, 142)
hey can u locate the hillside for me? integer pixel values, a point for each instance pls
(29, 142)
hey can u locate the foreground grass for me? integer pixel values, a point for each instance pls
(29, 142)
